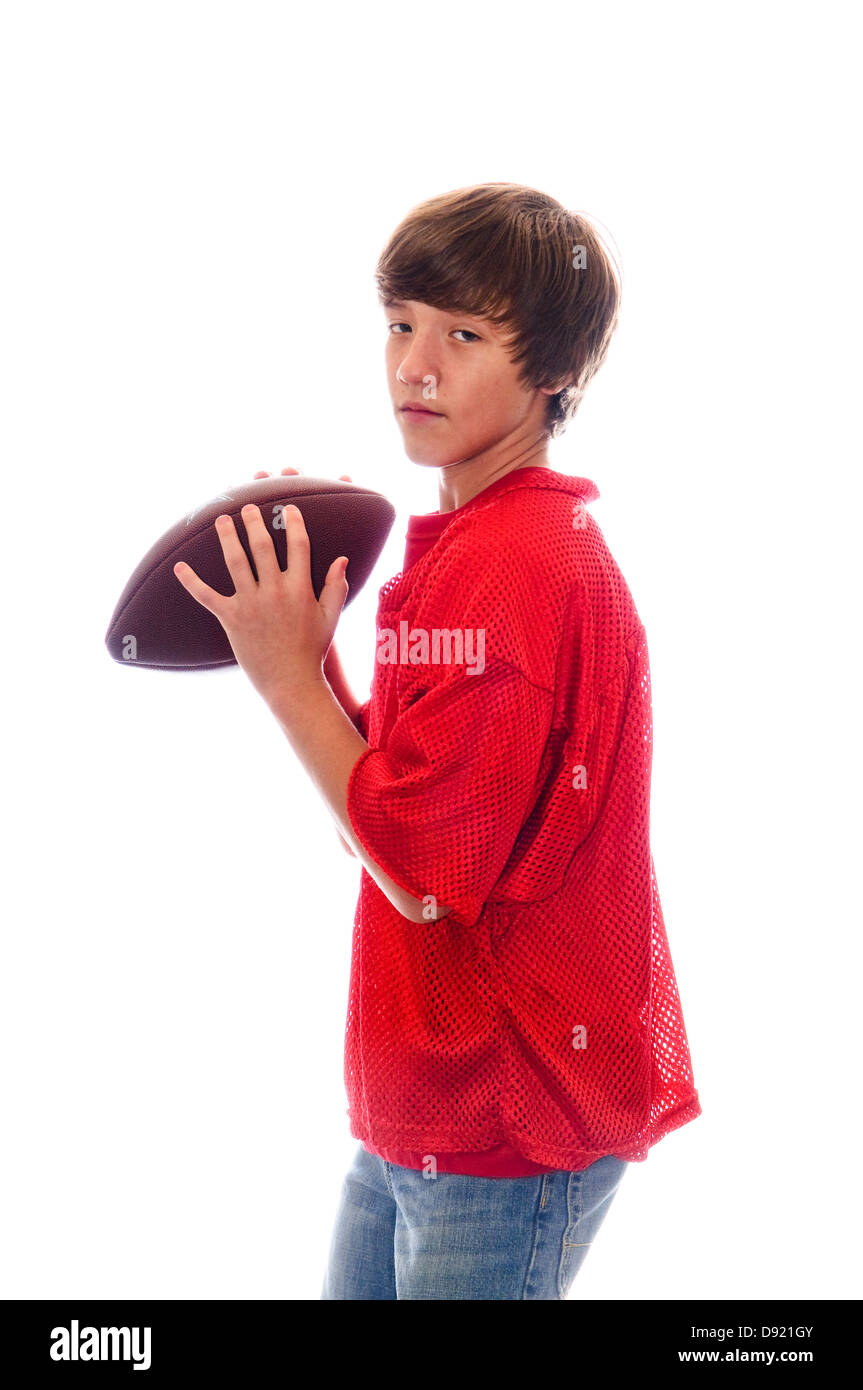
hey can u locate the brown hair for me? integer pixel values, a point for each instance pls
(511, 254)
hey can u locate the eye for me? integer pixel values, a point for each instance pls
(474, 337)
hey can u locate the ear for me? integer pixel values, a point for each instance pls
(553, 390)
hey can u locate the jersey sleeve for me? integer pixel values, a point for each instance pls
(439, 807)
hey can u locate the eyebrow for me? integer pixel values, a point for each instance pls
(454, 313)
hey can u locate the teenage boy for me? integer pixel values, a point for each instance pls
(514, 1034)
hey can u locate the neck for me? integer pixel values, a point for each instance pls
(460, 482)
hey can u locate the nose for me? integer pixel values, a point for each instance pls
(417, 365)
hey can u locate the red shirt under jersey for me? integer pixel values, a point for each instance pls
(536, 1026)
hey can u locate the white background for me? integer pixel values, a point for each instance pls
(194, 197)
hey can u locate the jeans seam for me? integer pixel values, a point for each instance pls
(573, 1215)
(541, 1197)
(387, 1178)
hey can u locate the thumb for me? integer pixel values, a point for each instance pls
(335, 590)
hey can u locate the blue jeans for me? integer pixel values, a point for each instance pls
(401, 1235)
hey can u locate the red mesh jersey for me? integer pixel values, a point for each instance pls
(512, 784)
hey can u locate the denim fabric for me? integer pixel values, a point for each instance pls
(399, 1234)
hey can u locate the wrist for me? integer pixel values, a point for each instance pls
(291, 690)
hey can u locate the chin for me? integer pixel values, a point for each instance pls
(427, 457)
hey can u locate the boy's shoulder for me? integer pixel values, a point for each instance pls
(509, 566)
(534, 525)
(534, 492)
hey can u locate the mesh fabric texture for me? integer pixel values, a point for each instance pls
(542, 1012)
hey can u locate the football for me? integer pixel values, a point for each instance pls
(157, 623)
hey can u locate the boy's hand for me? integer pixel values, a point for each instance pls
(278, 631)
(295, 472)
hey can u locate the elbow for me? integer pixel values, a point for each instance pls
(422, 910)
(345, 845)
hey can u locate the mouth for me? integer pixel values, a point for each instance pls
(411, 409)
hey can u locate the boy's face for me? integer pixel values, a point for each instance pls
(457, 365)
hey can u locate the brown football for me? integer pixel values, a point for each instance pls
(156, 623)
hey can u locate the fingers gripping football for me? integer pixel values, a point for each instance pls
(278, 631)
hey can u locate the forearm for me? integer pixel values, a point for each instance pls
(328, 745)
(338, 683)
